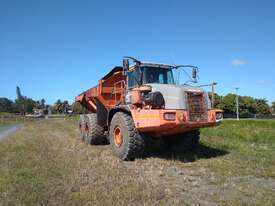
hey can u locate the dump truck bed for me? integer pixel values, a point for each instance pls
(108, 92)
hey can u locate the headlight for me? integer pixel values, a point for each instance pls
(169, 116)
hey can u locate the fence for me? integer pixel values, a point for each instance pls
(249, 115)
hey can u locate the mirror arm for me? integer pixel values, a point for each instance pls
(188, 66)
(134, 60)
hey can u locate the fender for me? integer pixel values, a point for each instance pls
(120, 108)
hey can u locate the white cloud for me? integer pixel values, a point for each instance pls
(238, 62)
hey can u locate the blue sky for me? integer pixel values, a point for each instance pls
(56, 49)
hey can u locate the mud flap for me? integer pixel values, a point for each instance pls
(102, 114)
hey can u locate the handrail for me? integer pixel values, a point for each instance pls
(120, 89)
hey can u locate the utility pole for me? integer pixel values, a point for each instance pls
(237, 103)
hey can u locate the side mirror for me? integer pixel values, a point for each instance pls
(194, 74)
(125, 65)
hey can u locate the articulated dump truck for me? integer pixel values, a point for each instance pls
(141, 100)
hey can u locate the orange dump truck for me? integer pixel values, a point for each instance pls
(133, 102)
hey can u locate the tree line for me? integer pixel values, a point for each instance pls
(248, 106)
(25, 105)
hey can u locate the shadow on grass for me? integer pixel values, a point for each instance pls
(161, 150)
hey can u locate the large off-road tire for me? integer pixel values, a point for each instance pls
(82, 126)
(126, 142)
(186, 141)
(95, 132)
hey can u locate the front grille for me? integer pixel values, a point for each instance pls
(196, 107)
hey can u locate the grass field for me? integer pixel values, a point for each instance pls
(8, 118)
(45, 163)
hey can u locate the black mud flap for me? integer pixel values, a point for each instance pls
(102, 114)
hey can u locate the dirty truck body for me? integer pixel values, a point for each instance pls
(133, 103)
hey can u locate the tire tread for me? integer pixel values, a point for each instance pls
(96, 132)
(136, 144)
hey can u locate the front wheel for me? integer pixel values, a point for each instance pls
(126, 142)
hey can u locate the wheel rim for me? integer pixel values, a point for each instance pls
(118, 138)
(82, 131)
(86, 133)
(86, 128)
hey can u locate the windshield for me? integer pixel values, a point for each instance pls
(157, 75)
(148, 75)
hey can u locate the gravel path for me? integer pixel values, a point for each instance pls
(5, 131)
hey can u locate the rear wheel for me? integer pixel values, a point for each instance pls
(187, 141)
(95, 132)
(126, 142)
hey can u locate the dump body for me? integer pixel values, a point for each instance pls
(108, 92)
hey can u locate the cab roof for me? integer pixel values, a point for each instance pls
(143, 64)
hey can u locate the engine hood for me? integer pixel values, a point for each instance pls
(174, 95)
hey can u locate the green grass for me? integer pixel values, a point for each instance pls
(248, 167)
(248, 131)
(250, 146)
(45, 163)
